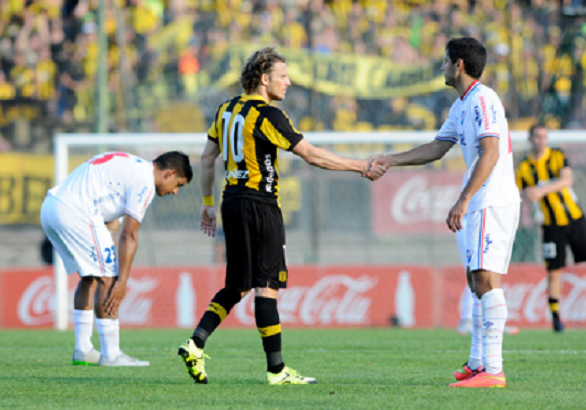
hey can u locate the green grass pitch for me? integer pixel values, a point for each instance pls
(356, 369)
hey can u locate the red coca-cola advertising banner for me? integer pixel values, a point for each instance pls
(317, 296)
(414, 201)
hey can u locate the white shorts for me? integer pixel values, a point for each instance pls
(490, 233)
(84, 244)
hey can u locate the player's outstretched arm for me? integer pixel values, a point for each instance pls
(420, 155)
(321, 158)
(128, 242)
(207, 215)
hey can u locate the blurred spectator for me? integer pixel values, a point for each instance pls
(49, 51)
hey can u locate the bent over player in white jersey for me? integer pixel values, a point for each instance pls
(74, 217)
(488, 203)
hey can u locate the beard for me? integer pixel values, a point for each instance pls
(275, 97)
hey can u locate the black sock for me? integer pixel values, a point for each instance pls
(554, 307)
(269, 327)
(217, 311)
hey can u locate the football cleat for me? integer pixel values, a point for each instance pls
(194, 359)
(465, 372)
(482, 379)
(90, 358)
(289, 376)
(122, 360)
(558, 326)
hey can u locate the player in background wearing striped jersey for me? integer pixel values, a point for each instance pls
(78, 215)
(489, 201)
(248, 133)
(545, 176)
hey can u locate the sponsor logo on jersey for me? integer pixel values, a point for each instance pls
(494, 114)
(487, 242)
(477, 116)
(462, 140)
(484, 112)
(106, 198)
(141, 194)
(468, 255)
(236, 173)
(271, 171)
(462, 117)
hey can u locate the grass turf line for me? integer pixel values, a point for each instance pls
(358, 368)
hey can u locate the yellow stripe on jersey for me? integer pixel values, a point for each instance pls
(249, 133)
(254, 174)
(558, 208)
(274, 135)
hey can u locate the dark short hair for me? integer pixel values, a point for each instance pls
(534, 127)
(259, 63)
(471, 52)
(176, 160)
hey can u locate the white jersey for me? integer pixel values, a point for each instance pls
(479, 113)
(109, 186)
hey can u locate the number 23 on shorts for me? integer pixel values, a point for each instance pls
(110, 254)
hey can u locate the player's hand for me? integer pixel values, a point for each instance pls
(375, 167)
(533, 193)
(207, 218)
(454, 219)
(116, 295)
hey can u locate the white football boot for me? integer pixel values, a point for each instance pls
(122, 360)
(90, 358)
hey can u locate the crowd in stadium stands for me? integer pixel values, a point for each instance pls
(49, 50)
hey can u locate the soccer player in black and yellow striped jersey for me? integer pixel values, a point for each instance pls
(248, 133)
(545, 176)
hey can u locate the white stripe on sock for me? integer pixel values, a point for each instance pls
(494, 313)
(475, 359)
(83, 322)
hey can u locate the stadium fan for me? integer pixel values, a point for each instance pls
(74, 216)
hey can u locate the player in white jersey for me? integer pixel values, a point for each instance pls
(489, 201)
(74, 216)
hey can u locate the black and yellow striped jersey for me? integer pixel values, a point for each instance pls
(559, 208)
(250, 133)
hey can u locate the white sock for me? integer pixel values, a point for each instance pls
(466, 305)
(83, 321)
(494, 313)
(475, 359)
(109, 330)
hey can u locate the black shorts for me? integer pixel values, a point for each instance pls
(255, 245)
(556, 239)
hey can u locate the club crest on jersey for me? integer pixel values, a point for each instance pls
(477, 116)
(487, 242)
(93, 254)
(237, 173)
(462, 140)
(462, 117)
(141, 194)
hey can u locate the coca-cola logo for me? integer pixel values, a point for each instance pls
(37, 303)
(527, 301)
(334, 299)
(419, 201)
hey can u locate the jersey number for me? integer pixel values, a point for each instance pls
(108, 157)
(235, 135)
